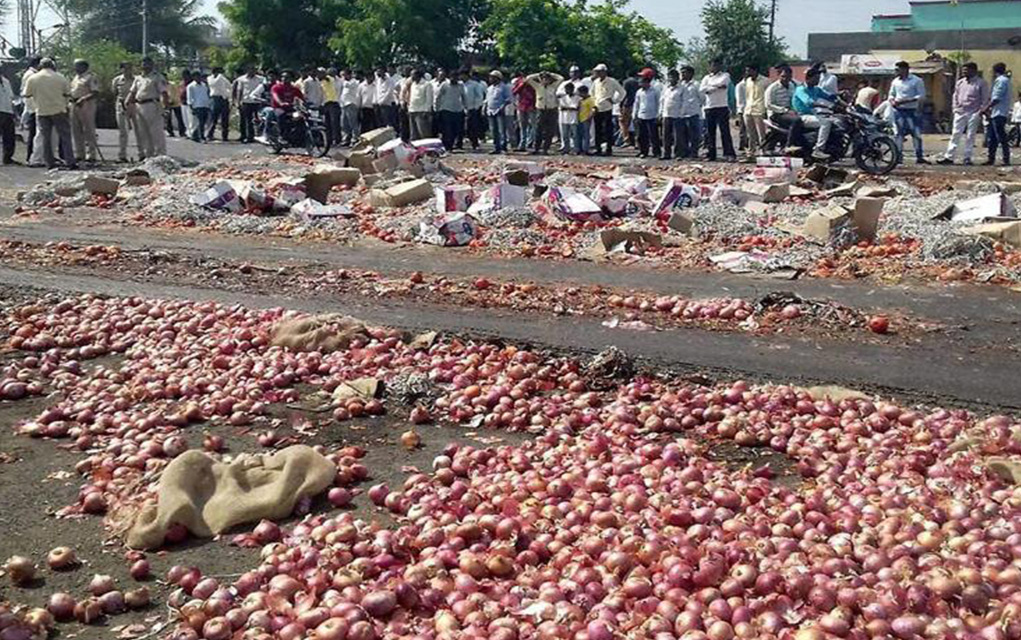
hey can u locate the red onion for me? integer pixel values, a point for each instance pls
(61, 605)
(379, 604)
(101, 584)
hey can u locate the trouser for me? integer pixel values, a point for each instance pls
(152, 138)
(526, 129)
(755, 126)
(513, 132)
(219, 115)
(965, 124)
(742, 132)
(201, 115)
(547, 129)
(176, 114)
(792, 123)
(718, 118)
(404, 123)
(451, 125)
(648, 136)
(824, 125)
(386, 116)
(996, 137)
(126, 121)
(7, 136)
(569, 138)
(473, 130)
(625, 125)
(30, 131)
(585, 137)
(680, 137)
(909, 122)
(349, 123)
(248, 111)
(83, 129)
(420, 125)
(498, 128)
(604, 131)
(368, 119)
(59, 122)
(331, 116)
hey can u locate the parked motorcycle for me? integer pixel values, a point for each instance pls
(302, 128)
(855, 133)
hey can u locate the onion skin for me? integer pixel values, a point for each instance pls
(21, 570)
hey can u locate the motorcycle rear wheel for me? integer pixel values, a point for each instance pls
(316, 144)
(878, 157)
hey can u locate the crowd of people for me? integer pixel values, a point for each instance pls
(586, 113)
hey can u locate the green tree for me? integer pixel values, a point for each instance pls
(285, 33)
(736, 32)
(532, 34)
(174, 25)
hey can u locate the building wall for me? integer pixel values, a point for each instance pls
(886, 24)
(982, 14)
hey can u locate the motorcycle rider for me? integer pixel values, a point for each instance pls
(812, 105)
(283, 96)
(779, 104)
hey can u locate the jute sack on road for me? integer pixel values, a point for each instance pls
(210, 497)
(324, 333)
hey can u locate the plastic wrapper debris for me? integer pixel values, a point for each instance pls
(451, 230)
(222, 196)
(676, 197)
(309, 210)
(995, 205)
(403, 152)
(571, 205)
(429, 145)
(454, 197)
(410, 192)
(287, 192)
(623, 196)
(254, 197)
(498, 197)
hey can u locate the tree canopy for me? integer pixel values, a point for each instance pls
(174, 25)
(736, 32)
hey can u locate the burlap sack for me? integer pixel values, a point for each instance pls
(210, 497)
(323, 333)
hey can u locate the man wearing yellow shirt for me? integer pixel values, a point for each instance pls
(331, 106)
(755, 109)
(50, 92)
(606, 92)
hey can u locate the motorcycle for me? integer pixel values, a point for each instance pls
(302, 128)
(855, 133)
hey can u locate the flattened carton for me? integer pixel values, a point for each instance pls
(309, 210)
(678, 196)
(571, 205)
(452, 230)
(454, 197)
(222, 196)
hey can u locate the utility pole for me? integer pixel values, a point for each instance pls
(772, 19)
(145, 27)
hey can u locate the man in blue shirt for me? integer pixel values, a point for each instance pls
(498, 96)
(810, 102)
(998, 112)
(906, 95)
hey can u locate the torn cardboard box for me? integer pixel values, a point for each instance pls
(402, 194)
(863, 217)
(633, 242)
(98, 185)
(450, 230)
(362, 160)
(523, 174)
(498, 197)
(571, 205)
(1007, 232)
(378, 137)
(310, 210)
(324, 177)
(454, 197)
(783, 162)
(222, 196)
(678, 196)
(683, 222)
(994, 205)
(768, 193)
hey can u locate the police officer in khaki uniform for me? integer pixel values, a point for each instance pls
(84, 91)
(126, 116)
(149, 92)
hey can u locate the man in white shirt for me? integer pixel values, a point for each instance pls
(607, 93)
(367, 91)
(754, 112)
(245, 94)
(219, 94)
(28, 119)
(386, 99)
(420, 106)
(739, 104)
(350, 106)
(716, 87)
(681, 109)
(646, 113)
(906, 95)
(828, 82)
(6, 117)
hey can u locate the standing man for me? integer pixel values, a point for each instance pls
(692, 101)
(312, 88)
(780, 104)
(29, 121)
(739, 103)
(6, 117)
(386, 99)
(671, 106)
(84, 91)
(906, 94)
(200, 104)
(331, 105)
(627, 107)
(149, 92)
(421, 101)
(498, 96)
(350, 105)
(50, 91)
(524, 96)
(367, 91)
(219, 94)
(716, 87)
(606, 91)
(545, 85)
(246, 95)
(646, 113)
(450, 101)
(998, 112)
(475, 100)
(971, 95)
(755, 109)
(177, 96)
(120, 86)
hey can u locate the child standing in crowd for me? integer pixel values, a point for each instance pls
(569, 103)
(586, 109)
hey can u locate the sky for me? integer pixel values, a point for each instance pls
(795, 19)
